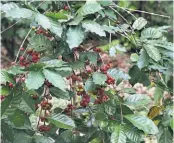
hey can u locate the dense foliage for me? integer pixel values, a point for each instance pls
(57, 63)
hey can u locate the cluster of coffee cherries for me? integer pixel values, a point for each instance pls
(101, 96)
(69, 109)
(35, 57)
(42, 31)
(105, 67)
(85, 100)
(110, 80)
(74, 78)
(44, 128)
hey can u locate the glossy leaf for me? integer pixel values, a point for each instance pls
(143, 123)
(5, 76)
(143, 59)
(62, 121)
(151, 33)
(158, 94)
(118, 136)
(152, 52)
(59, 93)
(41, 139)
(92, 57)
(118, 74)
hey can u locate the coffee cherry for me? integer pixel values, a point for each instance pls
(33, 27)
(22, 49)
(35, 97)
(66, 7)
(11, 85)
(29, 51)
(21, 58)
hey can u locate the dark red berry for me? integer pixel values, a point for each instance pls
(66, 7)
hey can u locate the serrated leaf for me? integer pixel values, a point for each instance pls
(34, 80)
(162, 43)
(118, 74)
(89, 7)
(41, 139)
(118, 136)
(152, 52)
(19, 13)
(75, 37)
(55, 78)
(143, 123)
(139, 23)
(27, 104)
(143, 59)
(62, 121)
(99, 78)
(93, 27)
(92, 57)
(151, 33)
(40, 43)
(59, 93)
(137, 100)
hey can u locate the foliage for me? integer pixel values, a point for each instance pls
(55, 63)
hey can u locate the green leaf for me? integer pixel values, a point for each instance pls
(139, 23)
(55, 78)
(143, 123)
(108, 46)
(137, 100)
(92, 57)
(152, 52)
(76, 20)
(89, 7)
(128, 90)
(93, 27)
(110, 13)
(133, 134)
(143, 59)
(105, 3)
(109, 29)
(43, 21)
(75, 37)
(158, 94)
(118, 74)
(19, 13)
(5, 90)
(15, 70)
(166, 137)
(40, 43)
(56, 28)
(118, 136)
(62, 121)
(7, 131)
(5, 104)
(57, 15)
(18, 118)
(27, 104)
(41, 139)
(150, 33)
(134, 57)
(89, 85)
(8, 6)
(34, 80)
(59, 93)
(54, 63)
(5, 76)
(162, 43)
(22, 137)
(77, 65)
(99, 78)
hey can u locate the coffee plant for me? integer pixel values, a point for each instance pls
(56, 65)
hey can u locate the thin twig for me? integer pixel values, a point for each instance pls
(23, 43)
(144, 12)
(109, 34)
(11, 26)
(39, 5)
(121, 112)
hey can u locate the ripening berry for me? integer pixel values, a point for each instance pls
(66, 7)
(22, 49)
(11, 84)
(21, 58)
